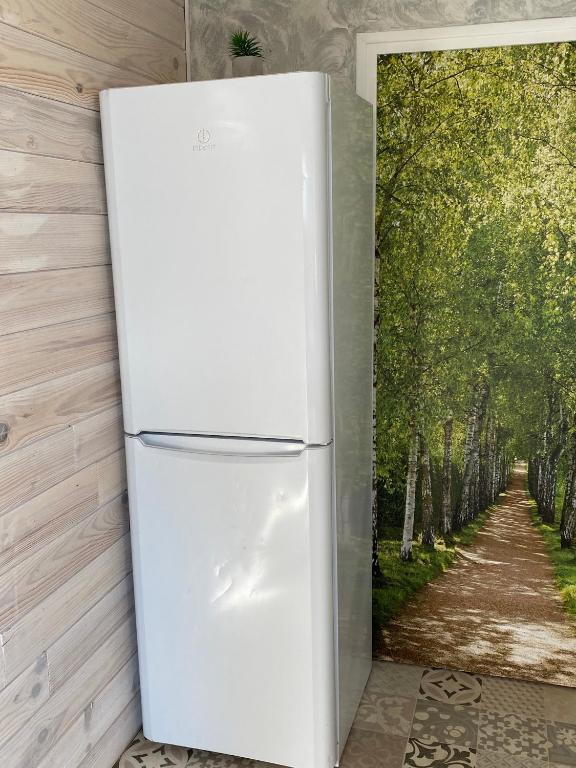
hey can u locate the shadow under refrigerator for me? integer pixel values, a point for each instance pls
(241, 223)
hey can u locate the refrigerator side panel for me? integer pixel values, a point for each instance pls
(353, 312)
(233, 577)
(219, 229)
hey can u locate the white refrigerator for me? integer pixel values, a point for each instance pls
(241, 223)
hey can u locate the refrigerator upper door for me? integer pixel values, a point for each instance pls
(219, 221)
(233, 578)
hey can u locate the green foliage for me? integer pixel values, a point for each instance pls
(476, 236)
(401, 581)
(563, 561)
(242, 43)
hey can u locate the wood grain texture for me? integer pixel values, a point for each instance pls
(28, 637)
(111, 472)
(162, 17)
(106, 752)
(22, 698)
(98, 436)
(83, 639)
(24, 531)
(107, 714)
(65, 564)
(33, 65)
(34, 524)
(36, 412)
(57, 296)
(49, 184)
(31, 744)
(40, 574)
(31, 242)
(32, 470)
(86, 28)
(31, 357)
(41, 126)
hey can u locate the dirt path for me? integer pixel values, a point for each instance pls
(497, 610)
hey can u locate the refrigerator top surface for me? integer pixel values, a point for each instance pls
(219, 215)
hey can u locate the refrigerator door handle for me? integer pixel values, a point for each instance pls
(223, 446)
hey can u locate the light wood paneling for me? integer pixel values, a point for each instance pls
(58, 296)
(32, 470)
(33, 65)
(89, 729)
(75, 647)
(28, 637)
(44, 127)
(31, 357)
(37, 576)
(68, 669)
(22, 698)
(35, 183)
(104, 752)
(111, 476)
(25, 530)
(29, 527)
(36, 412)
(31, 242)
(162, 17)
(31, 744)
(84, 27)
(98, 436)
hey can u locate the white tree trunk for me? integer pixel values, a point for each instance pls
(410, 506)
(427, 503)
(447, 478)
(462, 513)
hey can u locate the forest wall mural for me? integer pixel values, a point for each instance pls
(476, 342)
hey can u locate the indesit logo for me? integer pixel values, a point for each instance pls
(204, 144)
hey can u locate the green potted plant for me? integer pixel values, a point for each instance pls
(246, 53)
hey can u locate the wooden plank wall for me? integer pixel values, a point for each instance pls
(68, 672)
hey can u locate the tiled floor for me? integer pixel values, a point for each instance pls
(416, 717)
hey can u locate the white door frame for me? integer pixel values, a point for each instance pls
(370, 45)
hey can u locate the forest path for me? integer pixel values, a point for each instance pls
(497, 611)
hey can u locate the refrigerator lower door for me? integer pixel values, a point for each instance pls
(233, 575)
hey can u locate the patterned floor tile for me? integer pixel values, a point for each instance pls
(422, 753)
(562, 737)
(559, 703)
(143, 753)
(450, 687)
(368, 749)
(214, 760)
(505, 696)
(386, 714)
(486, 759)
(445, 723)
(394, 679)
(512, 734)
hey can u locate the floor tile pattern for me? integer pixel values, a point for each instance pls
(562, 747)
(501, 695)
(559, 703)
(450, 687)
(401, 679)
(368, 749)
(421, 753)
(446, 723)
(513, 734)
(416, 717)
(389, 714)
(485, 759)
